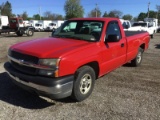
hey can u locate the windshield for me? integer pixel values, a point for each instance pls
(88, 30)
(37, 25)
(52, 24)
(140, 24)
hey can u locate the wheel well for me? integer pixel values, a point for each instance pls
(95, 67)
(142, 46)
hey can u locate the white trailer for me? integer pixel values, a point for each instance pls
(3, 21)
(58, 22)
(33, 22)
(153, 22)
(45, 23)
(41, 25)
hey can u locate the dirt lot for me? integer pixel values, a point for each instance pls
(127, 93)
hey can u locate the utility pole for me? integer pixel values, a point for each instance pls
(40, 13)
(148, 8)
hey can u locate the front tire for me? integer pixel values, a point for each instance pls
(138, 59)
(84, 83)
(30, 32)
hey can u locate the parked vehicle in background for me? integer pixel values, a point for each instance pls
(26, 23)
(45, 23)
(39, 27)
(126, 24)
(17, 25)
(33, 22)
(78, 53)
(142, 26)
(51, 27)
(3, 22)
(54, 25)
(153, 22)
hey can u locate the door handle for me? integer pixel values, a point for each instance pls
(122, 45)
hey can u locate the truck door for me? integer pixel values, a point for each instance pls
(114, 48)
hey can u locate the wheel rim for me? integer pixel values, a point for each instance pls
(30, 32)
(139, 57)
(85, 84)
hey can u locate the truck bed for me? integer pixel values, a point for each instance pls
(131, 33)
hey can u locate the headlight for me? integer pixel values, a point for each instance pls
(52, 63)
(9, 54)
(49, 67)
(9, 51)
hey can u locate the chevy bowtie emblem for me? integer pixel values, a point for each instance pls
(21, 61)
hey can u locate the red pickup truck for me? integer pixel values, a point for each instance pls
(78, 53)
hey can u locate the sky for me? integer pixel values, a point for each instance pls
(133, 7)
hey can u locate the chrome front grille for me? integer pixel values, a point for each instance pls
(23, 62)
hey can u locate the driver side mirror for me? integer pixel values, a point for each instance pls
(112, 38)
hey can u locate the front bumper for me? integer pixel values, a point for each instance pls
(54, 88)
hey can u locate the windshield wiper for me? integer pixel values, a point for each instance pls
(60, 36)
(72, 37)
(75, 37)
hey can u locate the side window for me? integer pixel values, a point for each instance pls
(128, 24)
(113, 29)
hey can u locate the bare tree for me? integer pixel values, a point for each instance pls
(24, 15)
(127, 17)
(115, 13)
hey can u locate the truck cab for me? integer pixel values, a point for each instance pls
(16, 23)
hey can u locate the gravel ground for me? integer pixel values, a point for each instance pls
(128, 93)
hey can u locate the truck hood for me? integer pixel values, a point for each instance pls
(50, 47)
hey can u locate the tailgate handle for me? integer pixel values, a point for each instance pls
(122, 45)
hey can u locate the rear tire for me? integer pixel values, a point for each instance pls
(84, 83)
(138, 59)
(19, 33)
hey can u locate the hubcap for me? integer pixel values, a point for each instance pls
(85, 84)
(30, 32)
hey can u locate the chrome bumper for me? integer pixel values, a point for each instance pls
(49, 87)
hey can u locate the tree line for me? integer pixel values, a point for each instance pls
(73, 9)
